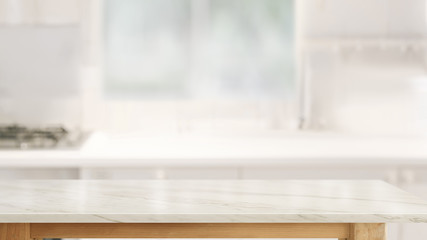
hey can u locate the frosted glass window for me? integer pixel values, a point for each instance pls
(199, 48)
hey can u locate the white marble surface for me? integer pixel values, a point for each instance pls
(298, 201)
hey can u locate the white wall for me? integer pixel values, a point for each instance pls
(339, 99)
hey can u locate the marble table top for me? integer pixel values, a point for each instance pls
(224, 201)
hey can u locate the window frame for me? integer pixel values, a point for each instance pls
(93, 26)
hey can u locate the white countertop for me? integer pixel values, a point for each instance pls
(103, 150)
(246, 201)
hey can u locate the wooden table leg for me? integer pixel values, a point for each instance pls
(368, 231)
(15, 231)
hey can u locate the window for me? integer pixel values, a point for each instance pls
(197, 49)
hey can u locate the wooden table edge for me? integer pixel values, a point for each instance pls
(349, 231)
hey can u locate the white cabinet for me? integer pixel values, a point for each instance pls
(121, 173)
(38, 173)
(159, 173)
(364, 18)
(202, 173)
(45, 12)
(17, 11)
(321, 172)
(58, 11)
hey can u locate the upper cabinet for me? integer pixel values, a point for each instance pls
(43, 12)
(364, 18)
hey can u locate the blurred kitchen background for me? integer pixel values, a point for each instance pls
(216, 89)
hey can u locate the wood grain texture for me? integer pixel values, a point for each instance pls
(368, 231)
(190, 230)
(15, 231)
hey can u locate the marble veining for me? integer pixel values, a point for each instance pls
(156, 201)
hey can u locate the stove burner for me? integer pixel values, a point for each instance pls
(17, 136)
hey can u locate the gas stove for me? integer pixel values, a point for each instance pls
(21, 137)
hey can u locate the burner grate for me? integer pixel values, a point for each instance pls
(23, 137)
